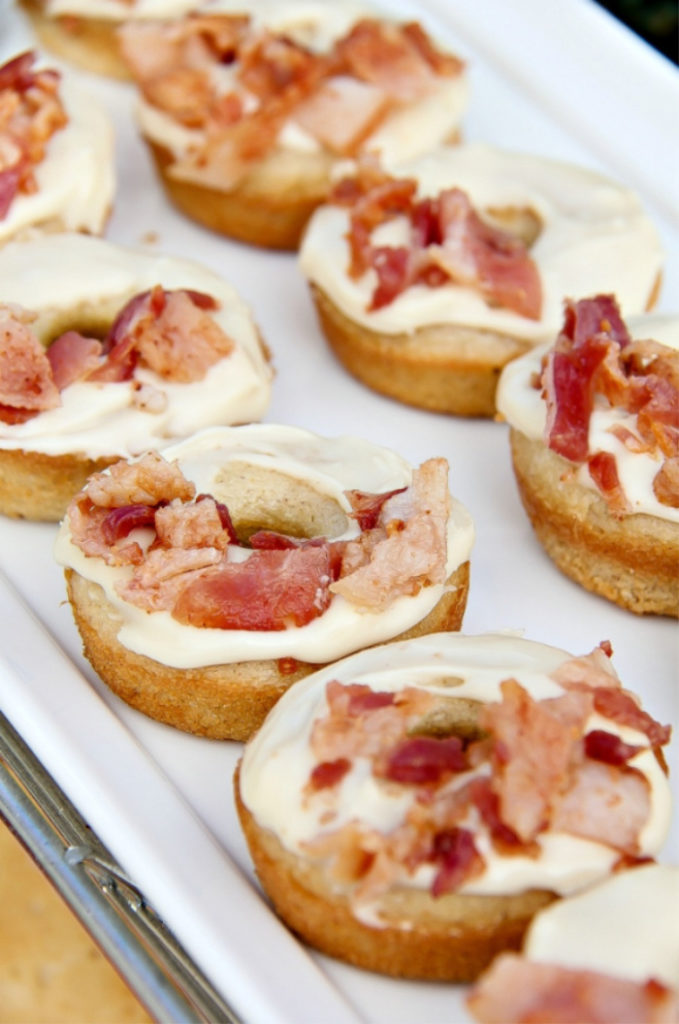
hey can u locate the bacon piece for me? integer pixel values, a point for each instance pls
(119, 522)
(412, 553)
(367, 507)
(342, 112)
(271, 590)
(388, 57)
(458, 860)
(606, 804)
(86, 525)
(533, 752)
(197, 525)
(329, 773)
(519, 991)
(73, 357)
(424, 760)
(605, 746)
(621, 707)
(505, 839)
(10, 179)
(603, 470)
(26, 381)
(666, 482)
(164, 573)
(148, 481)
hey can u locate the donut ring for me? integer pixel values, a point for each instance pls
(441, 346)
(310, 85)
(218, 673)
(623, 545)
(361, 847)
(73, 184)
(76, 282)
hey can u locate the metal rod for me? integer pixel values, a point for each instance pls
(102, 896)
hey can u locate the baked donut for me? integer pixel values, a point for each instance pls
(609, 955)
(57, 153)
(429, 278)
(107, 352)
(594, 433)
(248, 115)
(409, 809)
(267, 552)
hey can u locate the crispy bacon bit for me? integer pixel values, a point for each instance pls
(458, 860)
(26, 382)
(519, 991)
(601, 745)
(259, 594)
(421, 760)
(621, 707)
(148, 481)
(594, 364)
(30, 113)
(197, 525)
(72, 357)
(119, 522)
(164, 573)
(329, 773)
(287, 666)
(606, 804)
(368, 507)
(448, 241)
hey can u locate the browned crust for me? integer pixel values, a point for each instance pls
(268, 208)
(89, 43)
(451, 938)
(39, 487)
(228, 701)
(632, 561)
(443, 368)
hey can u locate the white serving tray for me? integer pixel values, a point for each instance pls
(557, 78)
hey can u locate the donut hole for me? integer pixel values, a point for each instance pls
(259, 498)
(521, 221)
(452, 716)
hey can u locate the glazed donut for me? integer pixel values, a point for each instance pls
(180, 351)
(283, 551)
(595, 452)
(250, 157)
(57, 145)
(430, 278)
(609, 954)
(410, 808)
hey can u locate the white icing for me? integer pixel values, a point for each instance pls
(331, 466)
(595, 238)
(59, 272)
(626, 926)
(404, 134)
(76, 180)
(281, 749)
(522, 406)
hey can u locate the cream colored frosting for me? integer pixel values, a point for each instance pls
(452, 665)
(331, 466)
(523, 407)
(626, 926)
(76, 180)
(404, 134)
(595, 237)
(54, 275)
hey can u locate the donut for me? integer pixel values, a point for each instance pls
(607, 955)
(107, 352)
(246, 116)
(268, 551)
(594, 420)
(57, 145)
(430, 277)
(410, 808)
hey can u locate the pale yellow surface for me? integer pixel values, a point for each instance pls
(50, 970)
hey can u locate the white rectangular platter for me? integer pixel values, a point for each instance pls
(557, 78)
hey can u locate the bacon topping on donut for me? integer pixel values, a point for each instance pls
(237, 85)
(515, 990)
(169, 332)
(30, 113)
(194, 565)
(595, 365)
(445, 240)
(529, 767)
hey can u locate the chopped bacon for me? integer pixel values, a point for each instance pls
(30, 113)
(26, 381)
(605, 746)
(666, 482)
(594, 364)
(72, 357)
(197, 525)
(448, 241)
(621, 707)
(120, 522)
(159, 579)
(148, 481)
(604, 803)
(367, 507)
(329, 773)
(271, 590)
(420, 760)
(455, 854)
(342, 113)
(515, 990)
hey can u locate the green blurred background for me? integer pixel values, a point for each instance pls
(655, 20)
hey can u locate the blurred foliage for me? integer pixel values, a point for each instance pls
(655, 20)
